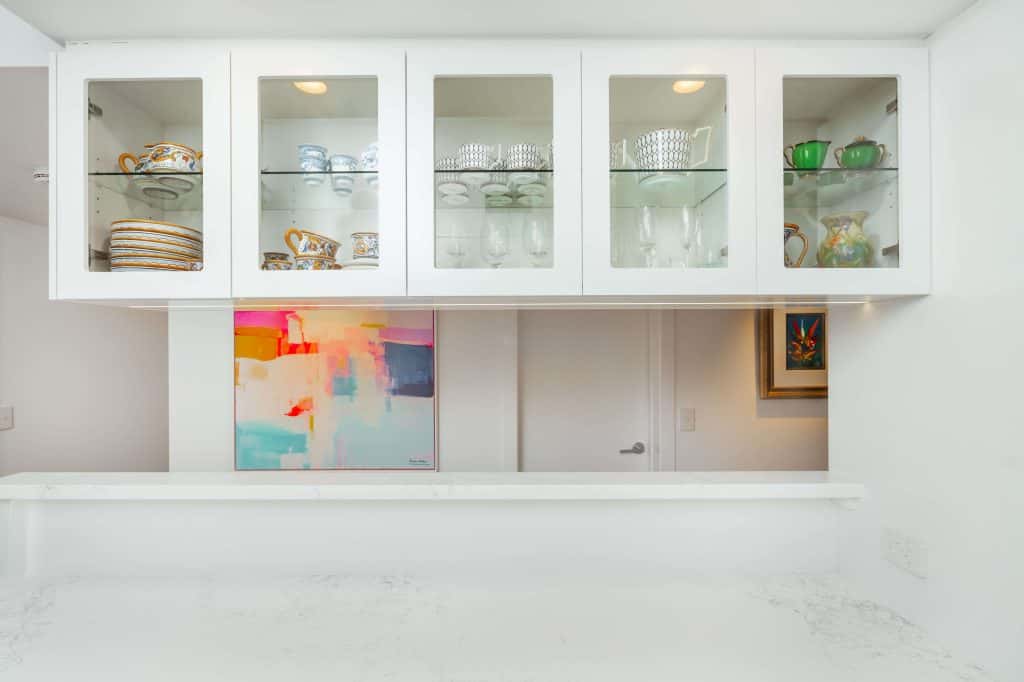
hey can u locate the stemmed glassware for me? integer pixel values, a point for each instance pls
(535, 236)
(648, 234)
(456, 249)
(689, 233)
(495, 245)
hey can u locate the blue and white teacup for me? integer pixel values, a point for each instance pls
(341, 181)
(365, 246)
(368, 162)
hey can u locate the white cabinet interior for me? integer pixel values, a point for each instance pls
(318, 169)
(127, 122)
(841, 175)
(494, 179)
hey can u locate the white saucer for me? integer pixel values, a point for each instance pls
(534, 188)
(363, 264)
(494, 188)
(499, 200)
(659, 179)
(531, 200)
(522, 177)
(475, 178)
(455, 199)
(452, 188)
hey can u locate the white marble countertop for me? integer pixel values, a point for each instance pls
(406, 485)
(409, 629)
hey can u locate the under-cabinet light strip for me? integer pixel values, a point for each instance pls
(507, 306)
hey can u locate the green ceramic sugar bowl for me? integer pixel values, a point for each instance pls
(845, 245)
(808, 155)
(861, 153)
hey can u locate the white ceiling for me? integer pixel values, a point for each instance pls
(98, 19)
(24, 120)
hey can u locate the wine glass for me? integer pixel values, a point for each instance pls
(456, 249)
(688, 232)
(494, 240)
(536, 237)
(648, 233)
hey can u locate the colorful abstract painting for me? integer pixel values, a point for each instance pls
(805, 341)
(334, 389)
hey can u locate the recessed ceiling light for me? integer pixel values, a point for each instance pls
(315, 87)
(687, 87)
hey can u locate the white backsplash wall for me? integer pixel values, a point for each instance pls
(88, 383)
(926, 393)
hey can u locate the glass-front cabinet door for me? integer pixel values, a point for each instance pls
(843, 172)
(318, 142)
(668, 179)
(142, 179)
(494, 188)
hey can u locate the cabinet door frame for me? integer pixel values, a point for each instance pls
(75, 68)
(563, 66)
(737, 66)
(910, 66)
(248, 65)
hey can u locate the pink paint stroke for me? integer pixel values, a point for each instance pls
(418, 337)
(272, 319)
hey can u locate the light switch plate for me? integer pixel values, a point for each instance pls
(6, 417)
(687, 419)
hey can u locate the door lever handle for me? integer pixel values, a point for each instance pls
(637, 449)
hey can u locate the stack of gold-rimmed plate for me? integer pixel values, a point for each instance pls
(154, 245)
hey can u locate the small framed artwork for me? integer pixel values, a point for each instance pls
(793, 350)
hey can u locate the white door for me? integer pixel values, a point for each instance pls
(494, 171)
(668, 174)
(585, 391)
(170, 219)
(843, 171)
(318, 139)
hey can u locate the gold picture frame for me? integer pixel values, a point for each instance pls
(775, 381)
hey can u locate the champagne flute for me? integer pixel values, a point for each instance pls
(648, 233)
(688, 232)
(536, 237)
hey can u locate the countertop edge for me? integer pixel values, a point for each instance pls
(503, 487)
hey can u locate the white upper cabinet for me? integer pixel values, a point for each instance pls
(318, 192)
(843, 193)
(668, 172)
(331, 170)
(494, 171)
(142, 174)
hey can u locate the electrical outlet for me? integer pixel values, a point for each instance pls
(6, 417)
(687, 419)
(905, 552)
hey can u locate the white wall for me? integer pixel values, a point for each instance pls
(21, 44)
(88, 383)
(926, 394)
(716, 373)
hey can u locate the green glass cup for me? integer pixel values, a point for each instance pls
(808, 155)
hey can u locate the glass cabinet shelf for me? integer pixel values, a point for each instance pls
(159, 191)
(301, 190)
(825, 188)
(631, 188)
(495, 190)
